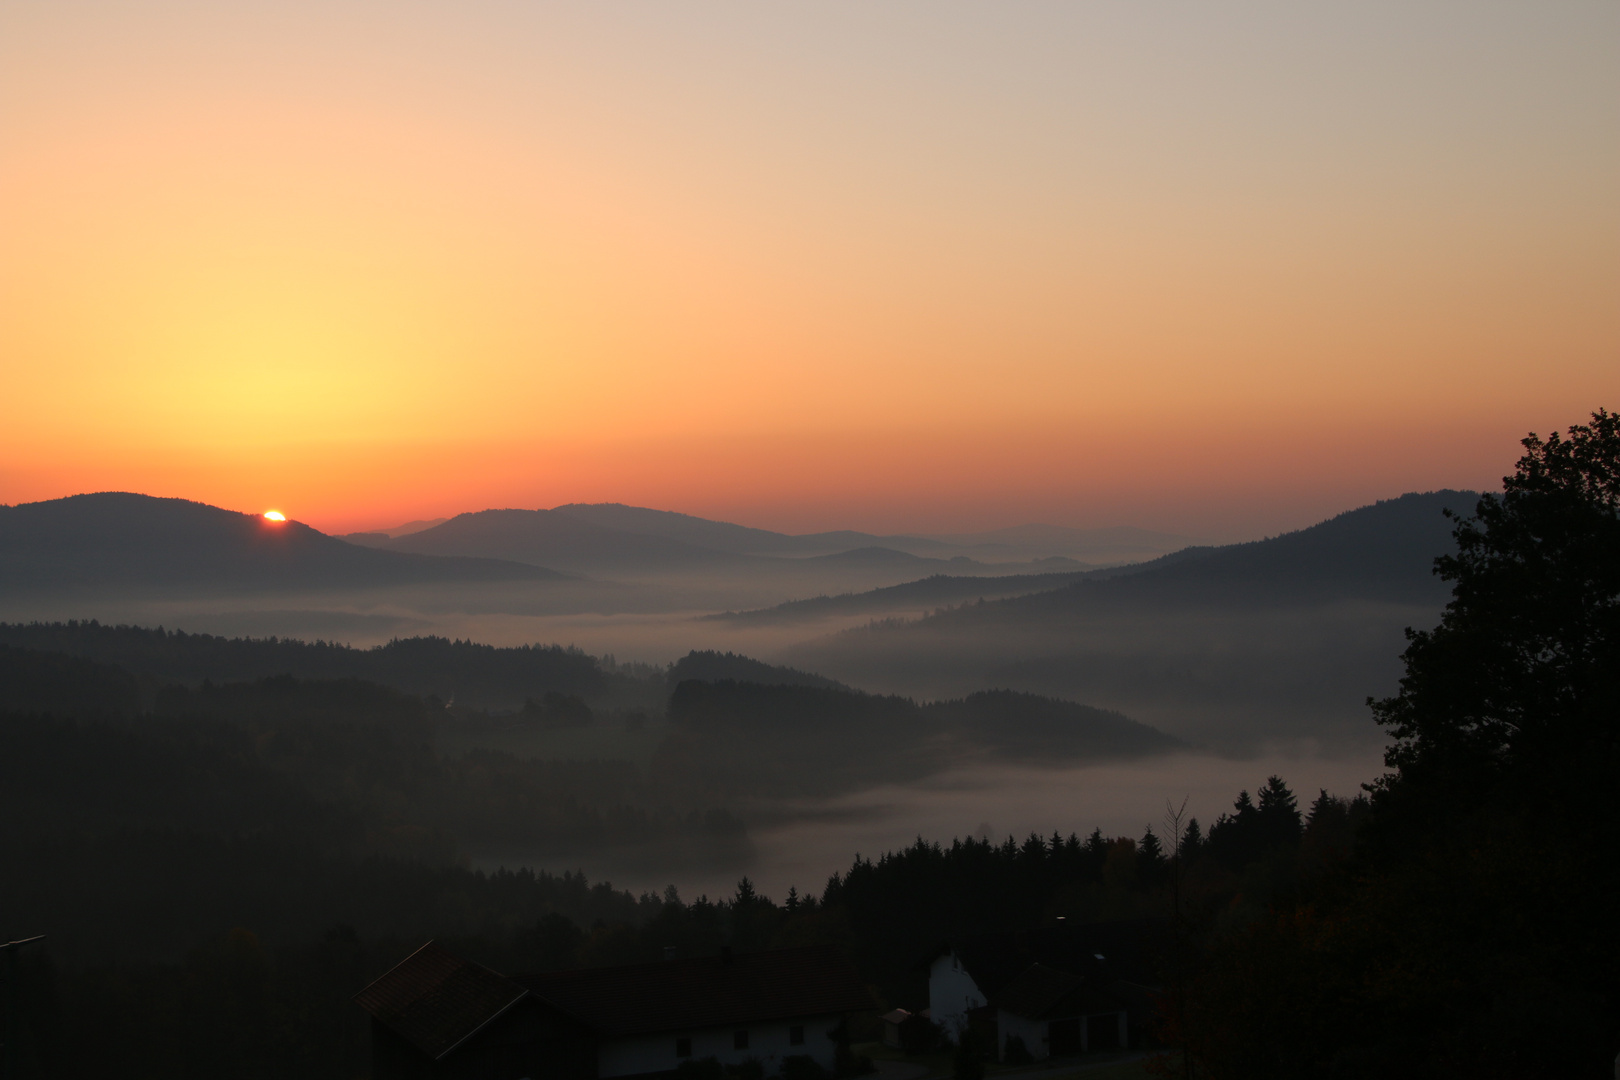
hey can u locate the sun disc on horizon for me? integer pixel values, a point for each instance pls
(274, 515)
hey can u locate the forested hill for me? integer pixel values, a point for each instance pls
(550, 538)
(933, 591)
(748, 740)
(737, 539)
(708, 666)
(1383, 552)
(119, 540)
(480, 676)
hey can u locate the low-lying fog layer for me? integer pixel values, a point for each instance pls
(821, 837)
(632, 622)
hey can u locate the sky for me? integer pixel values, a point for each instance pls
(1222, 268)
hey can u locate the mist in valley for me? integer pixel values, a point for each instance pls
(800, 843)
(765, 707)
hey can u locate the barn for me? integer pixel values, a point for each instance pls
(436, 1015)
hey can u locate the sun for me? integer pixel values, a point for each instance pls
(274, 515)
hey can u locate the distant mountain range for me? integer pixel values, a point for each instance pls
(123, 540)
(1385, 551)
(607, 537)
(557, 540)
(935, 591)
(611, 540)
(1283, 638)
(117, 540)
(1382, 552)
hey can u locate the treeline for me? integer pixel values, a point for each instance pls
(465, 672)
(1471, 932)
(1455, 922)
(340, 767)
(270, 992)
(751, 739)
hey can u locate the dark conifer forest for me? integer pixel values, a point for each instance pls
(224, 839)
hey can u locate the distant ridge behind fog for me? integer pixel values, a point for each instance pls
(124, 540)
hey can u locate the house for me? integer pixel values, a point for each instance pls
(952, 992)
(892, 1020)
(1051, 1013)
(1058, 990)
(438, 1015)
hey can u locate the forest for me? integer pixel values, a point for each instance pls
(224, 839)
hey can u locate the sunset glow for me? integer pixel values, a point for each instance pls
(274, 515)
(917, 266)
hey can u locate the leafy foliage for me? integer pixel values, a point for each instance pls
(1466, 935)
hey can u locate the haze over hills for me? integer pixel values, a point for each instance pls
(739, 539)
(546, 540)
(1279, 639)
(123, 540)
(1122, 543)
(1233, 646)
(628, 542)
(557, 540)
(1385, 552)
(909, 596)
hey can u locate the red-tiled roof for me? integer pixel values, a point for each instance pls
(434, 999)
(683, 995)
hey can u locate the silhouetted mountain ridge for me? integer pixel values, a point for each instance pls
(1382, 552)
(555, 539)
(483, 676)
(124, 540)
(935, 590)
(737, 539)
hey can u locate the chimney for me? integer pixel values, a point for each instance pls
(669, 952)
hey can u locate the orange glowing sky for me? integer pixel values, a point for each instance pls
(1218, 268)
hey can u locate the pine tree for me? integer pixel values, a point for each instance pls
(1278, 814)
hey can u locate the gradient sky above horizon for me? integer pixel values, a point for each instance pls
(1222, 269)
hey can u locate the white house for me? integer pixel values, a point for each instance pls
(437, 1015)
(1057, 990)
(952, 992)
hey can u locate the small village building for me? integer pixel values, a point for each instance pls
(438, 1015)
(892, 1020)
(952, 992)
(1051, 1013)
(1053, 992)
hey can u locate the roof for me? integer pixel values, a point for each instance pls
(434, 999)
(705, 992)
(1042, 993)
(1101, 951)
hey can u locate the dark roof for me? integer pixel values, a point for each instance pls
(1045, 993)
(719, 991)
(434, 1000)
(1103, 952)
(1042, 993)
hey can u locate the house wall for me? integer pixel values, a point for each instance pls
(951, 993)
(767, 1042)
(1033, 1032)
(1119, 1023)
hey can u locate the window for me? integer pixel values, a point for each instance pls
(683, 1047)
(796, 1035)
(739, 1041)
